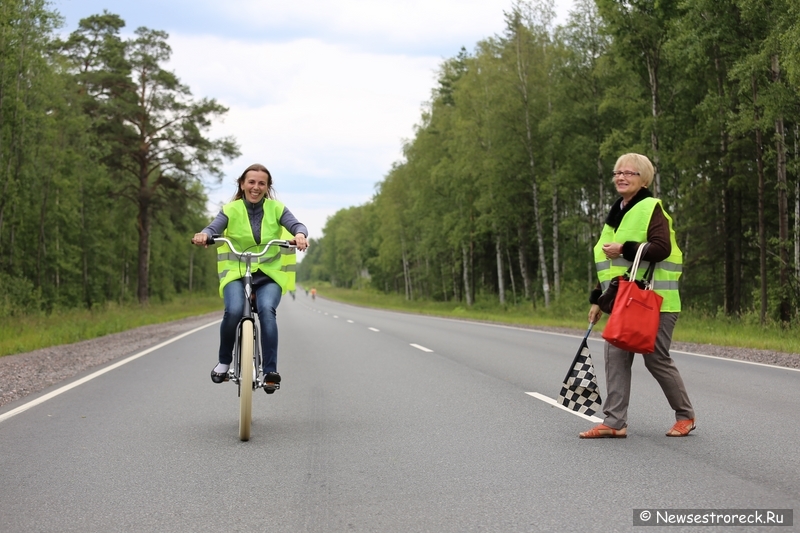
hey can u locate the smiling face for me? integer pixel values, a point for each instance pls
(255, 185)
(628, 181)
(632, 172)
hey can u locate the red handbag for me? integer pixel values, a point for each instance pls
(633, 324)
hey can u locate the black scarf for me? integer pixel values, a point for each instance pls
(614, 218)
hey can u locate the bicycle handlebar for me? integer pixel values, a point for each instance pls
(274, 242)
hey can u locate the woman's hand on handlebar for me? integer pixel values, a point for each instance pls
(200, 239)
(300, 241)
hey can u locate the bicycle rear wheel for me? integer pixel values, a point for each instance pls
(246, 371)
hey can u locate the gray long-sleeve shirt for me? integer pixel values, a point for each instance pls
(256, 212)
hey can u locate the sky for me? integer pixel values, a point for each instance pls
(321, 92)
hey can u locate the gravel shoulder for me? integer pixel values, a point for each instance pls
(28, 373)
(31, 372)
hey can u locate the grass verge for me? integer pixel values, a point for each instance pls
(571, 312)
(27, 333)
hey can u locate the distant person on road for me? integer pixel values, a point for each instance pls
(313, 293)
(251, 219)
(635, 218)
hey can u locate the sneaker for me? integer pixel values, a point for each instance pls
(272, 382)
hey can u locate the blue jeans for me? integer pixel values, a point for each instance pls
(268, 296)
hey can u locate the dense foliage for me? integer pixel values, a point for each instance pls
(102, 152)
(504, 188)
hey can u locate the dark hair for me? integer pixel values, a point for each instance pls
(258, 168)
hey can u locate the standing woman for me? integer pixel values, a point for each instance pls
(250, 220)
(636, 218)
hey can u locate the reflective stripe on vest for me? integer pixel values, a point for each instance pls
(643, 266)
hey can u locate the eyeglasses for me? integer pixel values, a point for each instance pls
(626, 173)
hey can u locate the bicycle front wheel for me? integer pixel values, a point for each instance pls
(246, 370)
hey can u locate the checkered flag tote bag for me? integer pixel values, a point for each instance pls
(580, 391)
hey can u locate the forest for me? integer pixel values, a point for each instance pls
(501, 192)
(103, 157)
(504, 188)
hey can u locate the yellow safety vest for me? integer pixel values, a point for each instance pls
(634, 228)
(239, 231)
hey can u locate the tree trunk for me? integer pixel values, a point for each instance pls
(41, 252)
(466, 271)
(443, 275)
(511, 275)
(407, 274)
(784, 312)
(143, 256)
(556, 260)
(762, 232)
(522, 76)
(652, 71)
(523, 261)
(596, 219)
(501, 286)
(731, 264)
(456, 296)
(797, 207)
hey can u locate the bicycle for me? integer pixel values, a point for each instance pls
(247, 346)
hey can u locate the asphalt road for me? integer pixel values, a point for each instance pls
(372, 433)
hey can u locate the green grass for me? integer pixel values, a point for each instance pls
(572, 311)
(27, 333)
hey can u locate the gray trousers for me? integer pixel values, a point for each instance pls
(660, 365)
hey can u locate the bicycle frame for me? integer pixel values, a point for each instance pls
(248, 312)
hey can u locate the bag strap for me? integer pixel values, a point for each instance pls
(635, 265)
(648, 274)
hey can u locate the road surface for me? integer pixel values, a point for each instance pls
(389, 422)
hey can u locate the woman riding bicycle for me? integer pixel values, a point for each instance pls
(251, 219)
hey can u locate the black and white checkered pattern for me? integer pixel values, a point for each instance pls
(580, 391)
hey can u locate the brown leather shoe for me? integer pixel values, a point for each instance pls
(601, 431)
(681, 428)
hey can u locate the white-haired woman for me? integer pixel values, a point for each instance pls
(637, 217)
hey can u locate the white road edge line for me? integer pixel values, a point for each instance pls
(350, 322)
(373, 329)
(65, 388)
(424, 349)
(736, 360)
(554, 403)
(592, 339)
